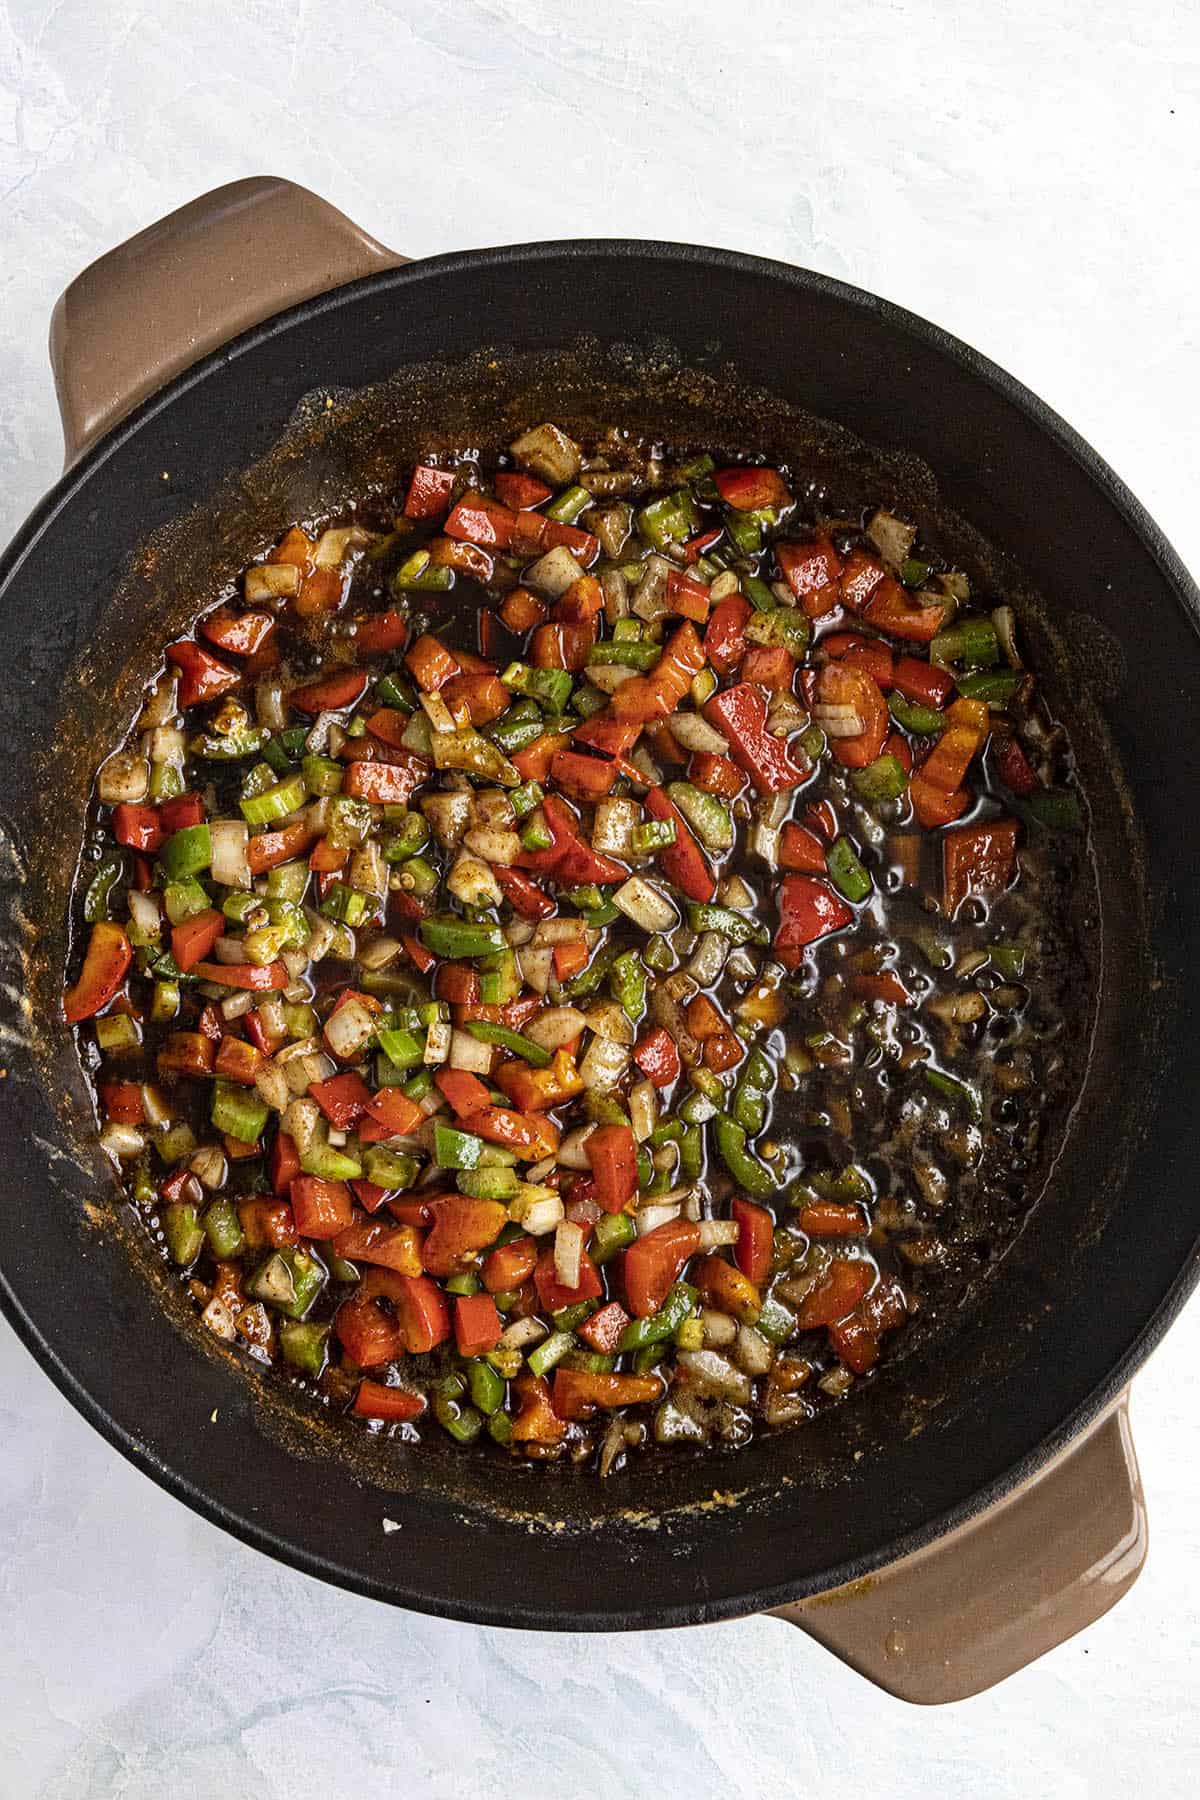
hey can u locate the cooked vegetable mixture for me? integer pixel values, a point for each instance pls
(575, 953)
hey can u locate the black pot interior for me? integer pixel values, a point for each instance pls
(697, 346)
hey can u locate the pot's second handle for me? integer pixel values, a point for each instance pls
(183, 287)
(1003, 1589)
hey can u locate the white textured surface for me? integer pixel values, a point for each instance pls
(1026, 175)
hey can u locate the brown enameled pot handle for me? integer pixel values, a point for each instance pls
(991, 1596)
(188, 284)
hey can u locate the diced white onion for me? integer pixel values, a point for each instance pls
(558, 931)
(556, 1026)
(468, 1053)
(604, 1064)
(572, 1152)
(318, 733)
(368, 873)
(714, 1233)
(537, 1210)
(726, 583)
(719, 1329)
(155, 1105)
(348, 1030)
(837, 721)
(694, 733)
(614, 825)
(518, 932)
(143, 910)
(659, 1212)
(269, 708)
(122, 1141)
(609, 1020)
(537, 967)
(234, 1006)
(219, 1320)
(379, 952)
(438, 1041)
(708, 1373)
(539, 1171)
(449, 815)
(553, 573)
(441, 719)
(209, 1166)
(646, 905)
(521, 1334)
(568, 1249)
(709, 957)
(494, 846)
(643, 1109)
(230, 841)
(891, 537)
(608, 677)
(271, 581)
(273, 1086)
(302, 1123)
(549, 452)
(754, 1354)
(125, 777)
(229, 950)
(322, 935)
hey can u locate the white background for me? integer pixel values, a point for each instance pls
(1024, 174)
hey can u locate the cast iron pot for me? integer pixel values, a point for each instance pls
(256, 359)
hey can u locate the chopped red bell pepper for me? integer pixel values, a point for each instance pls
(582, 777)
(835, 1296)
(690, 598)
(270, 848)
(238, 634)
(522, 610)
(524, 896)
(656, 695)
(385, 1246)
(654, 1261)
(741, 714)
(431, 664)
(771, 666)
(827, 1218)
(965, 735)
(371, 1196)
(979, 859)
(138, 827)
(695, 547)
(380, 632)
(531, 1136)
(859, 579)
(886, 986)
(583, 600)
(105, 965)
(343, 1098)
(331, 693)
(611, 1151)
(238, 1061)
(922, 681)
(182, 811)
(243, 975)
(462, 1227)
(801, 850)
(284, 1162)
(377, 1400)
(840, 685)
(192, 940)
(122, 1101)
(755, 1240)
(201, 676)
(579, 1392)
(657, 1056)
(467, 559)
(584, 547)
(465, 1092)
(267, 1223)
(811, 571)
(186, 1053)
(552, 1295)
(683, 862)
(933, 806)
(715, 775)
(862, 653)
(570, 959)
(428, 492)
(520, 491)
(484, 697)
(891, 610)
(725, 638)
(808, 910)
(532, 761)
(1012, 766)
(562, 646)
(509, 1266)
(386, 784)
(478, 520)
(612, 737)
(752, 489)
(855, 1339)
(536, 1422)
(321, 1209)
(477, 1324)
